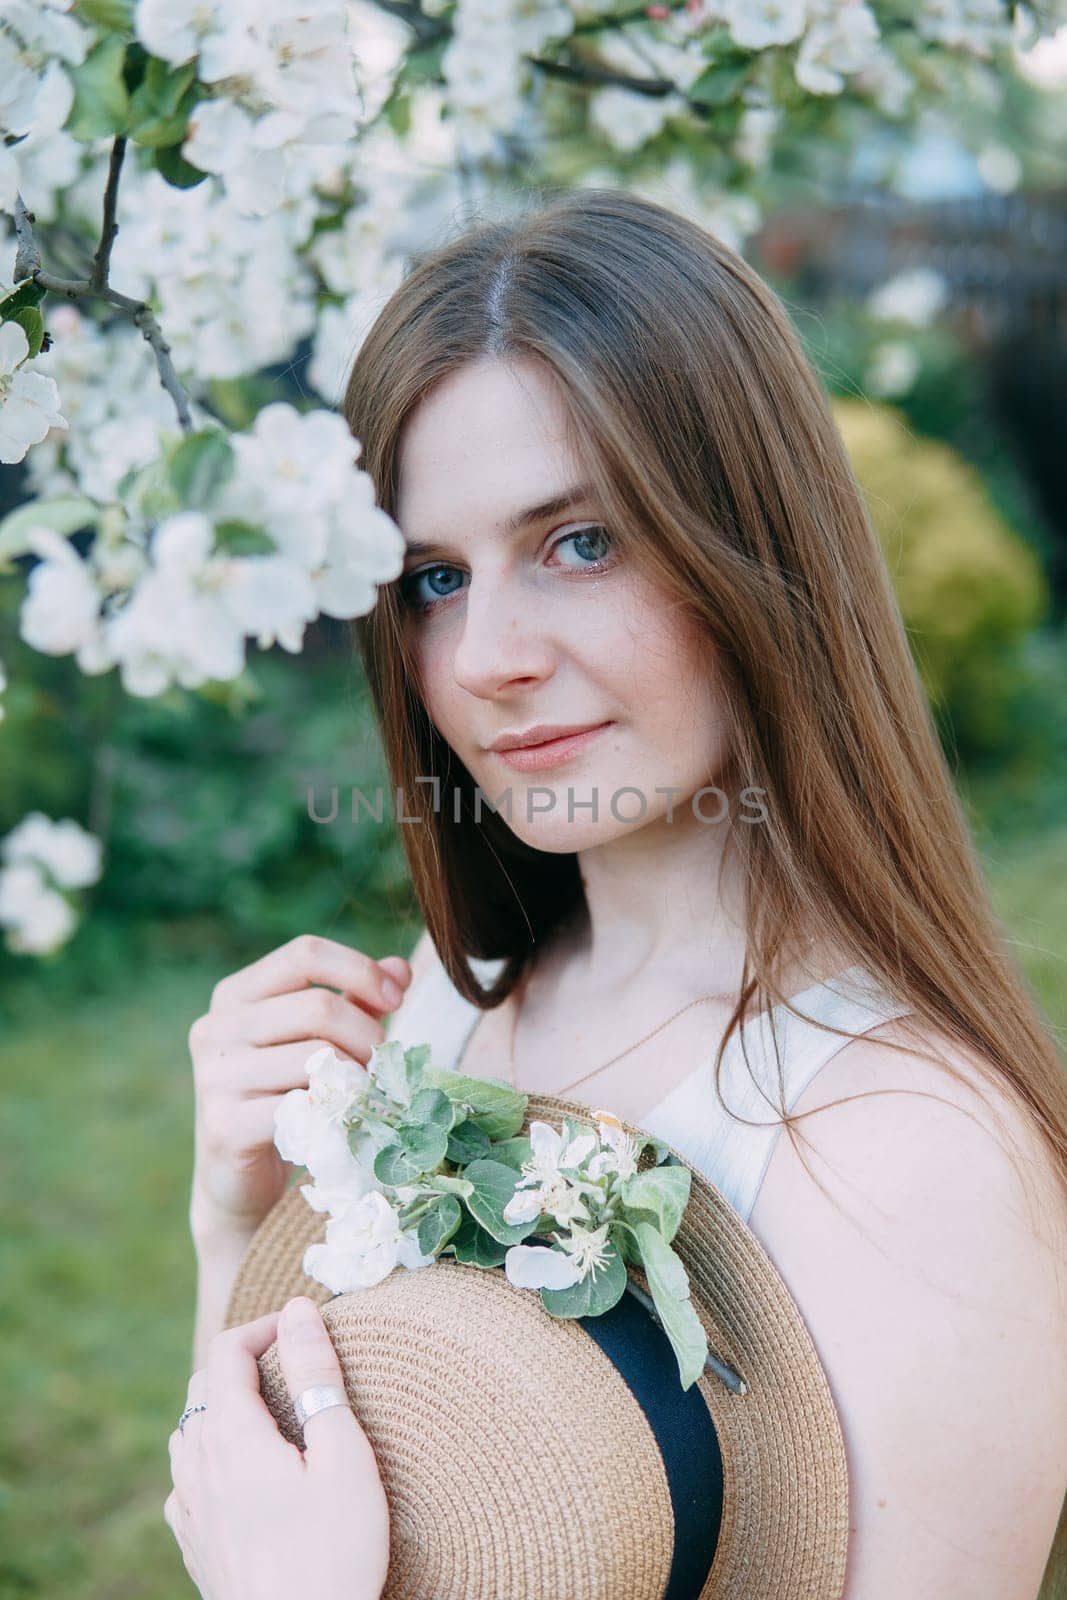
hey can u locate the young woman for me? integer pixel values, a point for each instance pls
(628, 511)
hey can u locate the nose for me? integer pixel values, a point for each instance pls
(505, 643)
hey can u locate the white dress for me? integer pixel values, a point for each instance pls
(691, 1118)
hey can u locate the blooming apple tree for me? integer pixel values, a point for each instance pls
(197, 191)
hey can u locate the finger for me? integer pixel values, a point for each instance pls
(312, 1014)
(234, 1401)
(308, 1357)
(277, 1068)
(305, 960)
(196, 1389)
(398, 967)
(172, 1514)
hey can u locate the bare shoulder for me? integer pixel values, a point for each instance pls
(931, 1273)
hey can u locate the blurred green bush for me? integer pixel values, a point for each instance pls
(969, 589)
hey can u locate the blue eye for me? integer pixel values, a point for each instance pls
(595, 535)
(408, 591)
(419, 601)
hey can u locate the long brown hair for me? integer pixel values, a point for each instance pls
(711, 446)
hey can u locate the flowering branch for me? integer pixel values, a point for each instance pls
(97, 286)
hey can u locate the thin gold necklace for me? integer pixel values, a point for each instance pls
(576, 1081)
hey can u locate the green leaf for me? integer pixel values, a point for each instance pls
(471, 1244)
(28, 293)
(494, 1185)
(513, 1152)
(468, 1142)
(65, 514)
(425, 1144)
(101, 101)
(720, 83)
(431, 1106)
(669, 1285)
(591, 1297)
(439, 1225)
(389, 1070)
(178, 172)
(31, 322)
(397, 112)
(663, 1191)
(238, 538)
(394, 1165)
(200, 467)
(497, 1108)
(108, 16)
(444, 1183)
(417, 1057)
(160, 107)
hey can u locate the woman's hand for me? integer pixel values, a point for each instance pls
(249, 1049)
(253, 1515)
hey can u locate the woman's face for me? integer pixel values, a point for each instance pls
(544, 621)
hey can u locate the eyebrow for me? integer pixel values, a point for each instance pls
(524, 519)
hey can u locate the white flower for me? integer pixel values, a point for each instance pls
(36, 917)
(29, 402)
(60, 611)
(845, 43)
(549, 1155)
(175, 626)
(588, 1249)
(914, 296)
(537, 1266)
(3, 686)
(363, 1244)
(70, 854)
(562, 1200)
(310, 1130)
(544, 1184)
(893, 369)
(628, 120)
(759, 23)
(756, 128)
(177, 30)
(620, 1156)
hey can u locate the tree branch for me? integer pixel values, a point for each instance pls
(102, 258)
(97, 286)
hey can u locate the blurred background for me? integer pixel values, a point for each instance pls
(922, 256)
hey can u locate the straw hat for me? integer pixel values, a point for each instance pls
(529, 1457)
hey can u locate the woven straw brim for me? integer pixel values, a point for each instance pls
(784, 1530)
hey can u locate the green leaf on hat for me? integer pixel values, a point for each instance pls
(593, 1295)
(424, 1143)
(473, 1246)
(468, 1142)
(663, 1191)
(513, 1152)
(439, 1224)
(431, 1106)
(668, 1282)
(494, 1185)
(394, 1165)
(498, 1109)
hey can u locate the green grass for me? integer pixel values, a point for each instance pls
(98, 1282)
(97, 1268)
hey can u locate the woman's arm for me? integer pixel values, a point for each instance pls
(219, 1250)
(936, 1300)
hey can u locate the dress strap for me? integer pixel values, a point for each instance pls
(697, 1120)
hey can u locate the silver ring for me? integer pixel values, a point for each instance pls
(318, 1398)
(187, 1413)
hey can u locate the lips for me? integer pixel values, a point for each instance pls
(550, 752)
